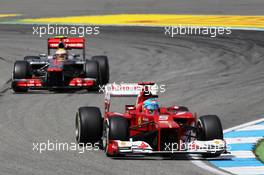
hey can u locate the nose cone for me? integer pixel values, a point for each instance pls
(165, 121)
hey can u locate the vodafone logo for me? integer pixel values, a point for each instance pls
(70, 45)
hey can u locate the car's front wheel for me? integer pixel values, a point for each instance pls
(209, 127)
(88, 125)
(115, 128)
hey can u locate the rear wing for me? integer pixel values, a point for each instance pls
(66, 43)
(129, 90)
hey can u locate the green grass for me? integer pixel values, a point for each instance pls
(259, 150)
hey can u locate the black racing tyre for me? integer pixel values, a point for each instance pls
(92, 70)
(31, 58)
(104, 68)
(118, 129)
(88, 125)
(115, 128)
(20, 71)
(209, 127)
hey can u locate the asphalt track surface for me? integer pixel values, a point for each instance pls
(40, 8)
(222, 76)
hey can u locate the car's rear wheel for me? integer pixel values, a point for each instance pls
(115, 128)
(20, 71)
(88, 125)
(209, 127)
(92, 70)
(104, 67)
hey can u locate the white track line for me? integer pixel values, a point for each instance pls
(244, 125)
(243, 154)
(252, 128)
(242, 140)
(245, 170)
(209, 168)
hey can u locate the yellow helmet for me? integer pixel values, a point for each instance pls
(61, 54)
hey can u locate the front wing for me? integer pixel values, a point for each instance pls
(193, 147)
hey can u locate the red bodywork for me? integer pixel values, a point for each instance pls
(166, 120)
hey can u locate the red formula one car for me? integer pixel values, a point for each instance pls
(61, 68)
(139, 130)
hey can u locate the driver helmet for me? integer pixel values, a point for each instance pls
(151, 105)
(61, 54)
